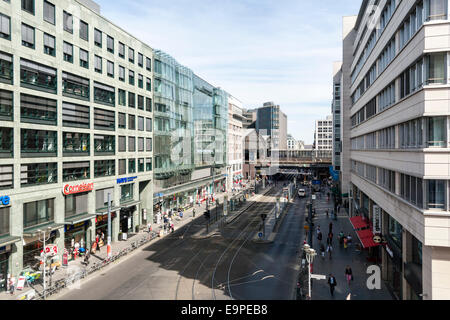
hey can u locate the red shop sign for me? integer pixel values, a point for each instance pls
(84, 187)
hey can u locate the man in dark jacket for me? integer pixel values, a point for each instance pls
(332, 283)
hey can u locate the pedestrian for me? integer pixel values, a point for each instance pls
(330, 238)
(326, 211)
(319, 237)
(329, 250)
(318, 230)
(322, 250)
(12, 283)
(341, 238)
(345, 242)
(86, 257)
(348, 274)
(103, 237)
(349, 240)
(172, 227)
(332, 283)
(338, 209)
(330, 227)
(193, 213)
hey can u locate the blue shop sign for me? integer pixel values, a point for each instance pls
(316, 182)
(5, 200)
(125, 180)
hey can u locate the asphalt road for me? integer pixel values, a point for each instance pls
(228, 265)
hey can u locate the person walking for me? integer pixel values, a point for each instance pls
(326, 211)
(12, 283)
(345, 242)
(193, 213)
(349, 240)
(330, 238)
(322, 250)
(341, 238)
(329, 250)
(319, 237)
(348, 274)
(332, 283)
(330, 227)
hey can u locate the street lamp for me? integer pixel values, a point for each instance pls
(44, 239)
(310, 254)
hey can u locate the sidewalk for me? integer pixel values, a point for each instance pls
(340, 259)
(77, 265)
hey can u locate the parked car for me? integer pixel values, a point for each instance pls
(302, 193)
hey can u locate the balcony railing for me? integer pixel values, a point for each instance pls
(76, 89)
(40, 80)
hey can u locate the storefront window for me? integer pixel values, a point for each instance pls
(395, 232)
(33, 249)
(76, 204)
(38, 212)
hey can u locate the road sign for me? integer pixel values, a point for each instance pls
(51, 250)
(260, 235)
(313, 197)
(318, 277)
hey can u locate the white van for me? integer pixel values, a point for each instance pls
(301, 193)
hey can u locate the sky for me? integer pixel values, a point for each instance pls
(256, 50)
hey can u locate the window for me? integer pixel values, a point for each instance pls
(121, 50)
(84, 30)
(140, 102)
(149, 84)
(148, 64)
(38, 212)
(75, 142)
(6, 105)
(28, 5)
(122, 98)
(122, 166)
(122, 120)
(148, 144)
(37, 76)
(104, 168)
(110, 68)
(141, 81)
(148, 104)
(98, 38)
(436, 9)
(131, 55)
(5, 27)
(148, 164)
(49, 12)
(68, 52)
(131, 165)
(131, 77)
(104, 119)
(84, 59)
(121, 73)
(27, 36)
(73, 171)
(148, 124)
(122, 144)
(68, 22)
(75, 115)
(437, 127)
(436, 190)
(49, 44)
(126, 192)
(131, 122)
(140, 144)
(98, 64)
(437, 68)
(75, 86)
(6, 177)
(104, 94)
(140, 60)
(110, 44)
(141, 165)
(104, 145)
(34, 109)
(6, 142)
(38, 141)
(141, 123)
(131, 100)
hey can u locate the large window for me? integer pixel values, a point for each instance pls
(84, 59)
(75, 142)
(141, 123)
(131, 122)
(121, 50)
(34, 109)
(27, 36)
(28, 5)
(148, 64)
(122, 144)
(98, 38)
(436, 191)
(6, 142)
(122, 98)
(140, 144)
(75, 86)
(140, 60)
(38, 141)
(437, 128)
(84, 30)
(131, 100)
(148, 104)
(104, 168)
(131, 165)
(395, 231)
(75, 115)
(68, 22)
(6, 177)
(98, 64)
(148, 124)
(121, 73)
(75, 204)
(110, 69)
(68, 52)
(131, 77)
(130, 55)
(122, 166)
(148, 164)
(49, 44)
(104, 144)
(38, 212)
(5, 27)
(110, 44)
(148, 144)
(140, 102)
(6, 105)
(73, 171)
(141, 165)
(131, 144)
(435, 9)
(437, 68)
(104, 119)
(122, 120)
(38, 173)
(126, 192)
(411, 189)
(104, 94)
(4, 221)
(37, 76)
(141, 81)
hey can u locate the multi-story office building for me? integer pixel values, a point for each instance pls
(396, 89)
(75, 126)
(337, 115)
(271, 121)
(190, 135)
(249, 121)
(235, 140)
(294, 144)
(323, 134)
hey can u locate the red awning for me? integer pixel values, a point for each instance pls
(366, 238)
(358, 222)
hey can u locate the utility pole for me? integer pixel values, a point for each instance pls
(108, 248)
(44, 257)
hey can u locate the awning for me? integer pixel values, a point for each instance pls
(80, 218)
(366, 238)
(358, 223)
(104, 211)
(129, 204)
(8, 240)
(33, 232)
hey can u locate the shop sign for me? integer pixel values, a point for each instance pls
(75, 226)
(5, 200)
(51, 250)
(84, 187)
(376, 220)
(144, 214)
(125, 180)
(105, 217)
(389, 251)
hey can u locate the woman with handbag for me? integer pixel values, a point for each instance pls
(348, 274)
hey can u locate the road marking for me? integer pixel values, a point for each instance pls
(267, 277)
